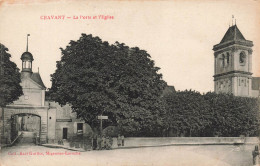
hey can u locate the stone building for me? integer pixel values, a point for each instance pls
(63, 124)
(29, 112)
(233, 65)
(32, 114)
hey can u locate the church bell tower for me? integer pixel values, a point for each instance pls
(233, 64)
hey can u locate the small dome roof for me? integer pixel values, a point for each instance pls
(27, 56)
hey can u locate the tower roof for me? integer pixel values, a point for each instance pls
(27, 56)
(233, 33)
(37, 78)
(231, 37)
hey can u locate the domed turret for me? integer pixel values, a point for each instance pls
(27, 59)
(27, 56)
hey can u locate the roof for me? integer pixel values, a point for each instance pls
(168, 90)
(27, 56)
(233, 33)
(255, 83)
(233, 36)
(37, 78)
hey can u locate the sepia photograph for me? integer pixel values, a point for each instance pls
(129, 83)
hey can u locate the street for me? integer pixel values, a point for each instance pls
(212, 155)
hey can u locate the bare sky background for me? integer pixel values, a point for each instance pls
(179, 35)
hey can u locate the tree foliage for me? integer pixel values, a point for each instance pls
(10, 78)
(97, 78)
(233, 116)
(187, 113)
(193, 114)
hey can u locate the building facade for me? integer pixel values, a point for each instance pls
(63, 124)
(233, 65)
(31, 113)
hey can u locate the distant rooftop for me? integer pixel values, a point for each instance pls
(168, 90)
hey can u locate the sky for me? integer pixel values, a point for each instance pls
(179, 35)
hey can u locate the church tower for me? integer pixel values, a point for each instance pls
(233, 64)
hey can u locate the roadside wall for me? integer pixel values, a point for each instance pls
(154, 141)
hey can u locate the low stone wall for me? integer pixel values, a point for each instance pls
(157, 141)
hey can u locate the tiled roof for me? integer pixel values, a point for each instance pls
(233, 33)
(37, 78)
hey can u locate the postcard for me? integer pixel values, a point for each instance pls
(129, 83)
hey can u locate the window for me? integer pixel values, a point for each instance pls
(223, 60)
(79, 128)
(242, 57)
(227, 58)
(28, 64)
(23, 64)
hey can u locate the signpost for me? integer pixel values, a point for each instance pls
(101, 118)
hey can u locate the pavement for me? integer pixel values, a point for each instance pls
(211, 155)
(176, 154)
(25, 152)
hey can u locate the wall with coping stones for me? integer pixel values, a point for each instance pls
(156, 141)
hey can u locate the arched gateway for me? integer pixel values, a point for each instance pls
(24, 118)
(32, 115)
(29, 112)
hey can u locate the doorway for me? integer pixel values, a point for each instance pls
(65, 133)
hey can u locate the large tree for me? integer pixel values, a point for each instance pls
(97, 78)
(211, 114)
(10, 78)
(188, 114)
(233, 115)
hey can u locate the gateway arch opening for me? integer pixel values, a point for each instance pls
(27, 126)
